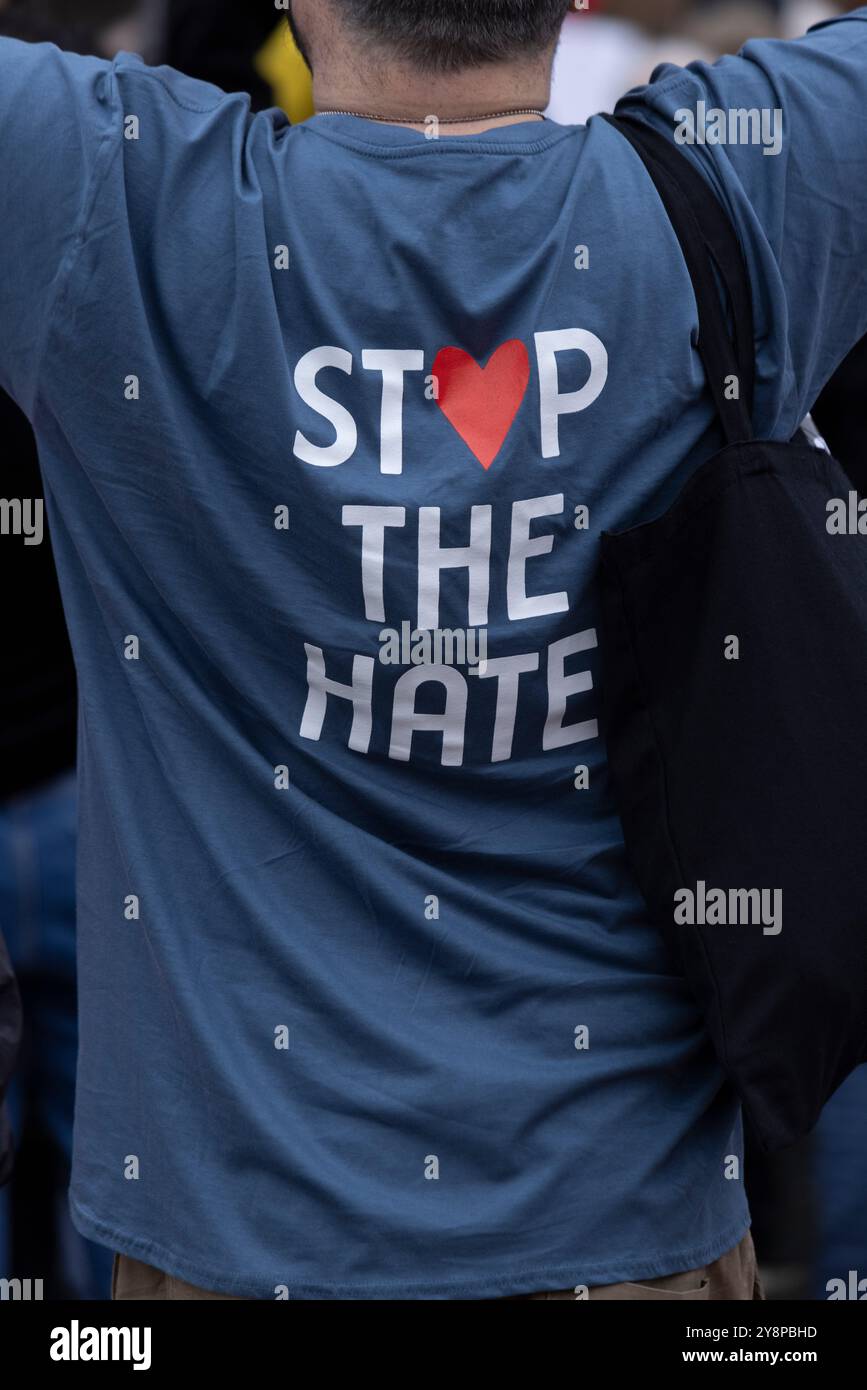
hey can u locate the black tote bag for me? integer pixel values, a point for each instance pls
(734, 655)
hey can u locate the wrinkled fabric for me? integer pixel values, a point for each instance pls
(370, 1003)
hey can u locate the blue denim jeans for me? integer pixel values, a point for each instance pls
(37, 918)
(840, 1157)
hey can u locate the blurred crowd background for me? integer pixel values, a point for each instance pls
(810, 1203)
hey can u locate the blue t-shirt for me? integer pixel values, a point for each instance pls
(370, 1005)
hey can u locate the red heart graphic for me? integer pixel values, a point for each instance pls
(482, 402)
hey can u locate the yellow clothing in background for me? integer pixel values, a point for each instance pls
(280, 64)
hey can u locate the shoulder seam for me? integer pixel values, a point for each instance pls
(155, 76)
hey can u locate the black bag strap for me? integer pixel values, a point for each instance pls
(710, 248)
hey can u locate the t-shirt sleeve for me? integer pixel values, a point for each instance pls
(58, 126)
(800, 208)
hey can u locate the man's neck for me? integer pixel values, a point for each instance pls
(463, 104)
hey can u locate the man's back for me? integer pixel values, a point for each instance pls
(370, 1004)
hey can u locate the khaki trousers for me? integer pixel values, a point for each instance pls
(732, 1277)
